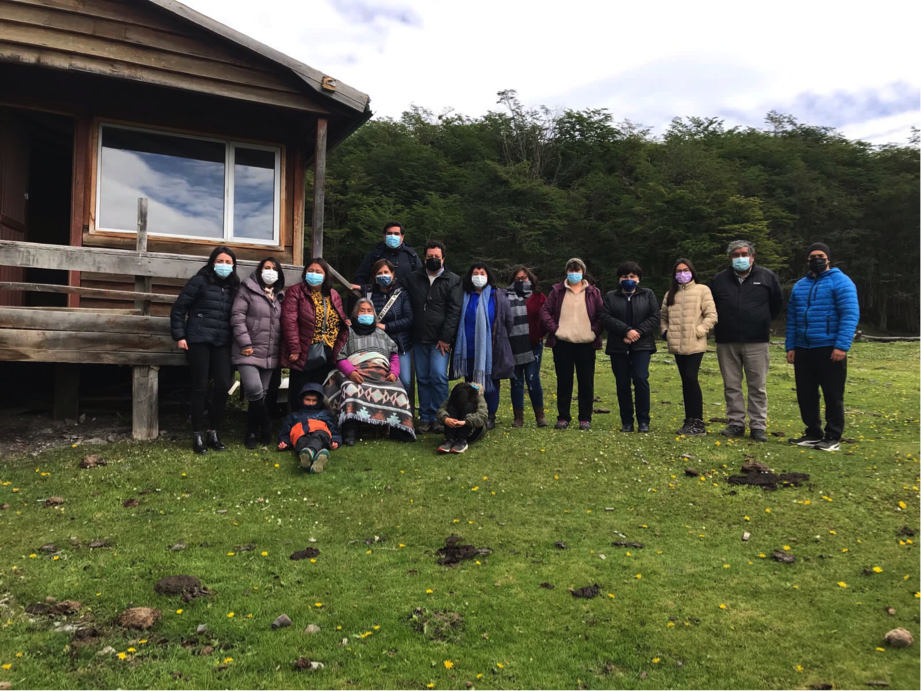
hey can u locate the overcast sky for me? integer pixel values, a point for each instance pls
(852, 66)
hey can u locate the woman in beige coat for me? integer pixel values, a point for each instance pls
(688, 314)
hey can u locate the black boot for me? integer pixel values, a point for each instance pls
(213, 441)
(253, 417)
(350, 432)
(198, 445)
(265, 424)
(491, 421)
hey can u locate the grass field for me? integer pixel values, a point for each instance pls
(695, 608)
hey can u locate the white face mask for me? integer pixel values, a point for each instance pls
(478, 281)
(269, 277)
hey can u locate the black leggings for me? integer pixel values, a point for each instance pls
(315, 441)
(209, 362)
(688, 368)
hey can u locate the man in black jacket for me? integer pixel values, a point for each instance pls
(630, 315)
(748, 298)
(404, 259)
(437, 297)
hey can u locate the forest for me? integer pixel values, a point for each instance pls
(538, 186)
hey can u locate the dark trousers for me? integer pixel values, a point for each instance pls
(581, 357)
(209, 362)
(813, 368)
(688, 368)
(297, 379)
(492, 397)
(314, 441)
(471, 434)
(632, 368)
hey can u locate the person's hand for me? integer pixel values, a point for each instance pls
(381, 326)
(355, 287)
(791, 356)
(627, 341)
(391, 377)
(837, 355)
(348, 322)
(444, 347)
(334, 445)
(356, 377)
(247, 351)
(294, 357)
(450, 422)
(282, 445)
(183, 344)
(633, 335)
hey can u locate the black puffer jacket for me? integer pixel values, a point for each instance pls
(645, 320)
(398, 322)
(404, 259)
(746, 309)
(207, 301)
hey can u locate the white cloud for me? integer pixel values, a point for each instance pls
(648, 62)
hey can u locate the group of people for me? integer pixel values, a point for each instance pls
(415, 316)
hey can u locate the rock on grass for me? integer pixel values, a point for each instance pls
(139, 618)
(282, 622)
(899, 638)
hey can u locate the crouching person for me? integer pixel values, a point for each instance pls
(464, 416)
(310, 430)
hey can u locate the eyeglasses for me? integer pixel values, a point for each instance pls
(740, 255)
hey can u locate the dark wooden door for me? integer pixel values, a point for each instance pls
(14, 194)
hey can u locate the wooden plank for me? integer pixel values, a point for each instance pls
(142, 283)
(58, 59)
(145, 420)
(74, 310)
(38, 339)
(92, 357)
(66, 391)
(129, 13)
(78, 202)
(319, 188)
(63, 319)
(101, 293)
(299, 202)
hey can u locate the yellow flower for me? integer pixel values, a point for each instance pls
(142, 641)
(401, 545)
(479, 676)
(265, 554)
(429, 591)
(178, 611)
(500, 665)
(313, 561)
(670, 624)
(228, 660)
(656, 660)
(18, 654)
(611, 595)
(761, 556)
(448, 664)
(832, 532)
(317, 604)
(786, 548)
(842, 584)
(917, 595)
(844, 550)
(474, 489)
(639, 575)
(276, 465)
(32, 556)
(430, 686)
(902, 505)
(132, 650)
(882, 650)
(877, 569)
(747, 518)
(767, 511)
(796, 587)
(725, 566)
(230, 554)
(722, 606)
(799, 668)
(55, 557)
(230, 615)
(122, 656)
(717, 443)
(377, 627)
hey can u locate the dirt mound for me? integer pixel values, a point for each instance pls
(139, 618)
(637, 545)
(88, 636)
(753, 466)
(439, 625)
(769, 482)
(309, 553)
(588, 592)
(187, 586)
(453, 553)
(93, 461)
(54, 501)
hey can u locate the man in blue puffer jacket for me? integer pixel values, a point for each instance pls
(822, 317)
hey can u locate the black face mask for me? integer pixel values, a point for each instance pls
(433, 264)
(521, 287)
(818, 264)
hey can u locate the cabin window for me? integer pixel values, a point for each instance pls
(197, 188)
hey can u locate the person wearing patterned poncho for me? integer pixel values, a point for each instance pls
(365, 386)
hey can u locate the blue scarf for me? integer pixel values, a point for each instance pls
(482, 351)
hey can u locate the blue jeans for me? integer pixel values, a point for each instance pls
(492, 397)
(431, 379)
(629, 368)
(529, 374)
(406, 367)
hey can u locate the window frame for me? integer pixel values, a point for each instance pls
(230, 146)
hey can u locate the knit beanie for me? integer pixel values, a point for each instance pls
(576, 260)
(821, 246)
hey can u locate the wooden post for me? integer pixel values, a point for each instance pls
(145, 383)
(319, 188)
(66, 391)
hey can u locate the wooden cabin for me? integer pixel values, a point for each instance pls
(105, 102)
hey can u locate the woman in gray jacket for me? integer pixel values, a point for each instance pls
(256, 323)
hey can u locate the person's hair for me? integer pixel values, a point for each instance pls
(358, 303)
(223, 249)
(280, 283)
(327, 285)
(629, 268)
(433, 245)
(586, 276)
(393, 224)
(674, 284)
(381, 263)
(468, 277)
(739, 244)
(463, 399)
(517, 269)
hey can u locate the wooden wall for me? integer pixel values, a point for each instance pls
(14, 177)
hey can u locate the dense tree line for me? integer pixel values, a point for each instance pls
(536, 186)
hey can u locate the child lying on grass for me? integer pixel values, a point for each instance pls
(310, 430)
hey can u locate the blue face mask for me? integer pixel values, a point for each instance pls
(741, 263)
(384, 280)
(628, 285)
(393, 241)
(313, 279)
(223, 270)
(366, 319)
(574, 278)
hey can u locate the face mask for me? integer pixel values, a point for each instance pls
(384, 280)
(313, 279)
(684, 277)
(315, 404)
(223, 270)
(818, 264)
(628, 285)
(269, 277)
(366, 319)
(741, 263)
(478, 281)
(393, 241)
(574, 278)
(433, 264)
(521, 286)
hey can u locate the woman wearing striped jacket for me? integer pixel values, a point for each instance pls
(527, 340)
